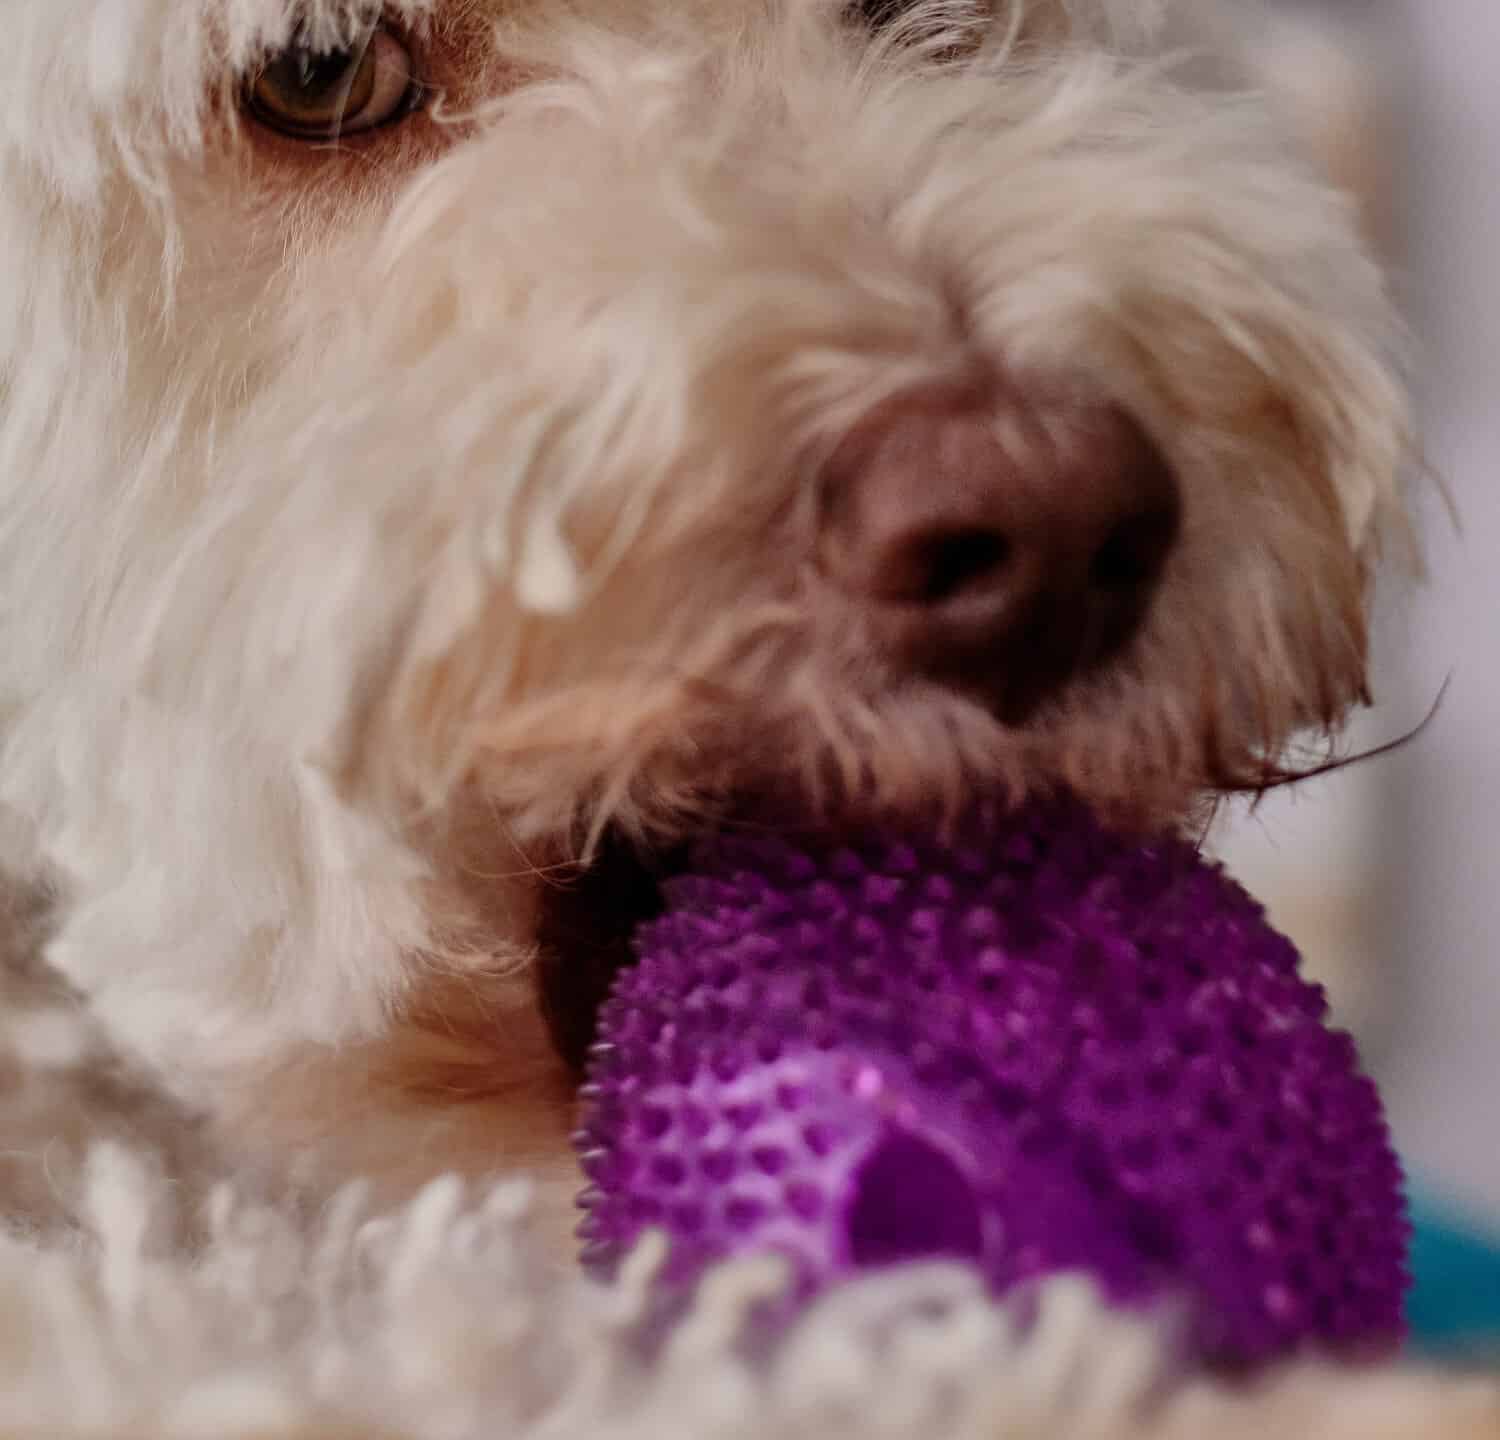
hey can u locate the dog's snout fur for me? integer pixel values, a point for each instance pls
(668, 405)
(1004, 539)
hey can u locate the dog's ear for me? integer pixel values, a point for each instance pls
(1331, 73)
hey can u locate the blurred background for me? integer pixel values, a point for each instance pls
(1388, 874)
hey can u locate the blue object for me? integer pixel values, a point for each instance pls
(1454, 1307)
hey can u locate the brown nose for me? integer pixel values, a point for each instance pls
(1003, 543)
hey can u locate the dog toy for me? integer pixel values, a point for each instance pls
(1042, 1047)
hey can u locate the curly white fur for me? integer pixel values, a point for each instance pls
(381, 524)
(439, 1323)
(378, 526)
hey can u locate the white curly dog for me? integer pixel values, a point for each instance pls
(453, 451)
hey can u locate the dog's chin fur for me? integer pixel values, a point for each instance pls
(387, 527)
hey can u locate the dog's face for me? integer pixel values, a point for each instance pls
(508, 429)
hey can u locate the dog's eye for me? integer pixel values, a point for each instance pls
(877, 13)
(312, 94)
(950, 29)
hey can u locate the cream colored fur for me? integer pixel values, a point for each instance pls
(438, 1324)
(380, 524)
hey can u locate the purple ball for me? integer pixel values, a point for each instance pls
(1042, 1047)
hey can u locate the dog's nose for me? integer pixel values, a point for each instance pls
(1002, 542)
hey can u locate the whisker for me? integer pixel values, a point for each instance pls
(1278, 777)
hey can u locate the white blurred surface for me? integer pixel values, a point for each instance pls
(1389, 876)
(1444, 1078)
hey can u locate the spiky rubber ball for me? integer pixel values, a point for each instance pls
(1041, 1047)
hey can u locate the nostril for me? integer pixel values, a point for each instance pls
(1134, 551)
(949, 563)
(1003, 535)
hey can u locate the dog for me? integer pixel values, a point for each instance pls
(454, 453)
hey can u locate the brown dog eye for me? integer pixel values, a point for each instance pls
(320, 95)
(878, 13)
